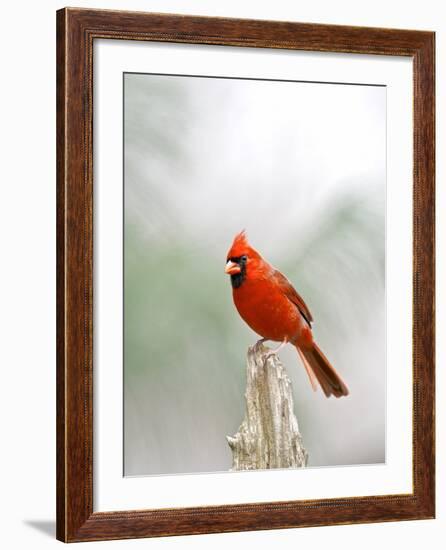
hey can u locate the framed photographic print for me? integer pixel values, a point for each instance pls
(245, 275)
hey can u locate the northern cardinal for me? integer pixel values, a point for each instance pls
(269, 304)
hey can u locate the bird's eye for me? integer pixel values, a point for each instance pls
(244, 258)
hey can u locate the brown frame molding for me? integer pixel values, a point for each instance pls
(76, 31)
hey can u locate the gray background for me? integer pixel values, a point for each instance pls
(302, 167)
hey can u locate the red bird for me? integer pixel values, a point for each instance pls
(269, 304)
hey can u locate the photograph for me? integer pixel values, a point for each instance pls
(245, 274)
(254, 271)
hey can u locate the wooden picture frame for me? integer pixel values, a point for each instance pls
(76, 31)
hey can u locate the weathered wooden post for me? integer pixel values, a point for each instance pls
(269, 435)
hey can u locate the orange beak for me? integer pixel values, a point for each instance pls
(232, 268)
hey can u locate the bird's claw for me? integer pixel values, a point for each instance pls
(259, 343)
(274, 352)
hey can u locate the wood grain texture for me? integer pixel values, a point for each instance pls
(76, 31)
(269, 435)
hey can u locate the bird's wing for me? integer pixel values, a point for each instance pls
(292, 295)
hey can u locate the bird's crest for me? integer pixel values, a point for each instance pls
(240, 246)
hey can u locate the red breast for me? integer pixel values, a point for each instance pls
(267, 311)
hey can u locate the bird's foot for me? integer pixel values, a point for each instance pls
(259, 342)
(274, 352)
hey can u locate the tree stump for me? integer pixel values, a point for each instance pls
(269, 435)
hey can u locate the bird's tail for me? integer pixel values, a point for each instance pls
(320, 370)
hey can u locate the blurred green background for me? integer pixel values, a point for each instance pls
(300, 166)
